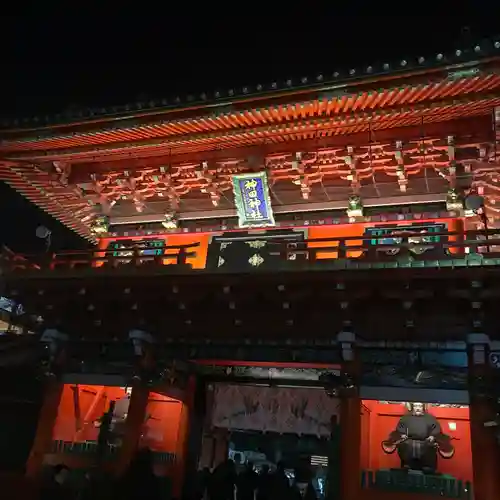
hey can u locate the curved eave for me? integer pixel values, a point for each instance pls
(227, 123)
(236, 105)
(482, 55)
(18, 177)
(319, 121)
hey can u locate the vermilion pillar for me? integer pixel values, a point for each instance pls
(350, 447)
(485, 449)
(457, 226)
(350, 425)
(134, 425)
(46, 421)
(186, 428)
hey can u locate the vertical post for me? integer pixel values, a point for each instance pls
(101, 254)
(496, 131)
(208, 440)
(334, 474)
(133, 425)
(221, 447)
(459, 228)
(190, 439)
(485, 450)
(46, 421)
(350, 424)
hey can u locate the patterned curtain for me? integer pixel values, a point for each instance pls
(274, 409)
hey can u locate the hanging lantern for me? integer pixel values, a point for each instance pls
(454, 202)
(170, 221)
(355, 206)
(100, 224)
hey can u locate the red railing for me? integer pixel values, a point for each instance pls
(97, 258)
(419, 246)
(354, 247)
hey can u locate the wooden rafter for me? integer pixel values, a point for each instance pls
(444, 99)
(164, 151)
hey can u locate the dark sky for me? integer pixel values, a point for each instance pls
(51, 61)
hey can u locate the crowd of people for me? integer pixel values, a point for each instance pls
(139, 482)
(226, 482)
(231, 482)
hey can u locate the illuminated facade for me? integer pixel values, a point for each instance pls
(338, 234)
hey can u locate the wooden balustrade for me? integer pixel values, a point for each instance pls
(426, 486)
(415, 245)
(96, 258)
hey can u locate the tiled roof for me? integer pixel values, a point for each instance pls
(480, 51)
(323, 115)
(349, 109)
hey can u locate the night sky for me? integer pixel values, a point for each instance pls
(52, 62)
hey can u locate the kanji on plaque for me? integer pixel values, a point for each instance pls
(252, 200)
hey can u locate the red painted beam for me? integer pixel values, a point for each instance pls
(477, 128)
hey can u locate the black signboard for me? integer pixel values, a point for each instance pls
(247, 251)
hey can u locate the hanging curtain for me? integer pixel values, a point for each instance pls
(274, 409)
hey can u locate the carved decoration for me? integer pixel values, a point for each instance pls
(255, 244)
(309, 171)
(256, 260)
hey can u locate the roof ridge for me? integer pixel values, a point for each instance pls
(474, 54)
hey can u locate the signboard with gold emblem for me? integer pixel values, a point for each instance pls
(243, 251)
(253, 204)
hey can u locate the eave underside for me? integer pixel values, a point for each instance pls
(73, 201)
(325, 116)
(94, 162)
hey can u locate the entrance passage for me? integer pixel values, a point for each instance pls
(266, 450)
(266, 425)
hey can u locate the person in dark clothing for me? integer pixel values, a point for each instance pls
(280, 482)
(238, 465)
(56, 487)
(202, 486)
(87, 490)
(140, 481)
(247, 483)
(303, 491)
(96, 485)
(223, 481)
(303, 488)
(264, 484)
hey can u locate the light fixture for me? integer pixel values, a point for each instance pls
(354, 206)
(474, 204)
(454, 202)
(170, 221)
(473, 201)
(100, 224)
(44, 234)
